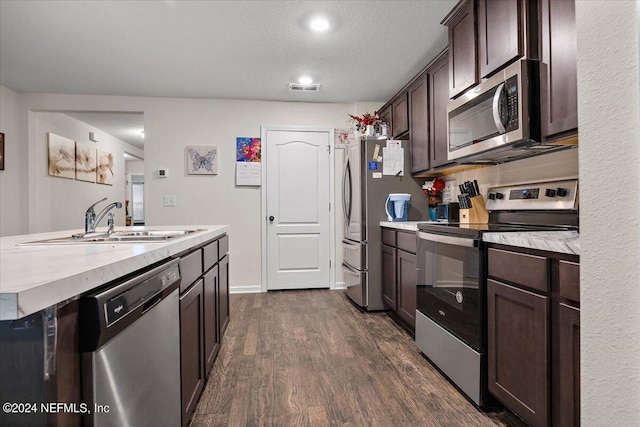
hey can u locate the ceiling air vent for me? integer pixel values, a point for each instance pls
(297, 87)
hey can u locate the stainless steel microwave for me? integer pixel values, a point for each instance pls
(499, 119)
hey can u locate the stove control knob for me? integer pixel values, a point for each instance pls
(550, 192)
(499, 196)
(492, 196)
(562, 192)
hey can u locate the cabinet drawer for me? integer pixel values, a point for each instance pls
(527, 270)
(210, 255)
(407, 242)
(223, 246)
(389, 237)
(569, 280)
(190, 269)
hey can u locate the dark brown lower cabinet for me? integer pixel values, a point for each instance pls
(518, 350)
(191, 348)
(407, 281)
(223, 296)
(211, 322)
(389, 283)
(569, 347)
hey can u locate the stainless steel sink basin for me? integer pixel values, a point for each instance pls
(143, 236)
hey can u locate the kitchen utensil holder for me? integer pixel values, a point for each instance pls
(478, 213)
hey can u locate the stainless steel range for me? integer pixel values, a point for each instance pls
(451, 291)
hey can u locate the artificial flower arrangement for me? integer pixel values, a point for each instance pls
(432, 190)
(367, 119)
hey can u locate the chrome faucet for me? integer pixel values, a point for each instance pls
(91, 220)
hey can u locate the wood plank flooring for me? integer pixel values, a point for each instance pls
(311, 358)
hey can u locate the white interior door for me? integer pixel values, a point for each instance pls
(297, 209)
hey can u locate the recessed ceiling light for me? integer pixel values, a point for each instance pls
(305, 80)
(319, 24)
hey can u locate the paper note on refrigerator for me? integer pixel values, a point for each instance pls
(393, 161)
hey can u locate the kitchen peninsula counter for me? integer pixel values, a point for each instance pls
(33, 277)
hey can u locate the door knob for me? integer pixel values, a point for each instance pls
(271, 218)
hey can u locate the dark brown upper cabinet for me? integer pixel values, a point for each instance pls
(500, 34)
(558, 70)
(463, 71)
(400, 108)
(419, 123)
(438, 73)
(385, 116)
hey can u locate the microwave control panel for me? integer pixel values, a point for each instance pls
(511, 88)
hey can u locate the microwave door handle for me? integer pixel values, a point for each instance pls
(497, 97)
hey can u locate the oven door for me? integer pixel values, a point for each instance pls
(448, 290)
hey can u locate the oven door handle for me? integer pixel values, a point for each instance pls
(449, 240)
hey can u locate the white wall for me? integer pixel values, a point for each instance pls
(173, 124)
(61, 202)
(609, 106)
(13, 182)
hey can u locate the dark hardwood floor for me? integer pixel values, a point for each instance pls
(310, 358)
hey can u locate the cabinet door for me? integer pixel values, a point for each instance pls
(558, 69)
(210, 327)
(569, 365)
(407, 281)
(385, 116)
(500, 34)
(518, 350)
(438, 98)
(389, 286)
(463, 72)
(419, 123)
(223, 295)
(192, 372)
(400, 108)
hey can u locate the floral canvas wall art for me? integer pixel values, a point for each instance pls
(104, 169)
(202, 160)
(248, 149)
(62, 156)
(85, 162)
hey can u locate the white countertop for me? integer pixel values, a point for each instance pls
(406, 225)
(36, 277)
(566, 242)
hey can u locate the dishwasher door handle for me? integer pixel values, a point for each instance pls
(152, 303)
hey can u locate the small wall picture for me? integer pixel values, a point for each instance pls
(343, 137)
(62, 156)
(1, 151)
(202, 160)
(248, 149)
(104, 169)
(85, 162)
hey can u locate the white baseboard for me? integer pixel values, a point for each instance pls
(247, 289)
(339, 285)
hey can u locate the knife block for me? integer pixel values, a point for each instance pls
(478, 213)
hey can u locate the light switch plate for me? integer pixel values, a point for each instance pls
(170, 201)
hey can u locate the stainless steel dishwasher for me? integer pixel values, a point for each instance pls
(130, 340)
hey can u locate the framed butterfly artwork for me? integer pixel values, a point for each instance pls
(202, 160)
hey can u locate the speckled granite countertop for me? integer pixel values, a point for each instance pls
(566, 242)
(407, 225)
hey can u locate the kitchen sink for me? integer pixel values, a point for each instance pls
(143, 236)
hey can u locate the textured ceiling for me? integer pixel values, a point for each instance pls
(214, 49)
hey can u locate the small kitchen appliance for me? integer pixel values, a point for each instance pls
(397, 207)
(448, 212)
(451, 290)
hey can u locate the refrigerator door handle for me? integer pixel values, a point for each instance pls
(346, 194)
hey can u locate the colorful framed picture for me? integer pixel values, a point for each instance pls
(248, 149)
(202, 160)
(62, 156)
(85, 162)
(1, 151)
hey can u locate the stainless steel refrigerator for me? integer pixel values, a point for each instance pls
(365, 187)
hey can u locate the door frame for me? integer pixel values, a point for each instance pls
(263, 198)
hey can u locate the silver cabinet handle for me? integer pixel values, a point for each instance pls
(449, 240)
